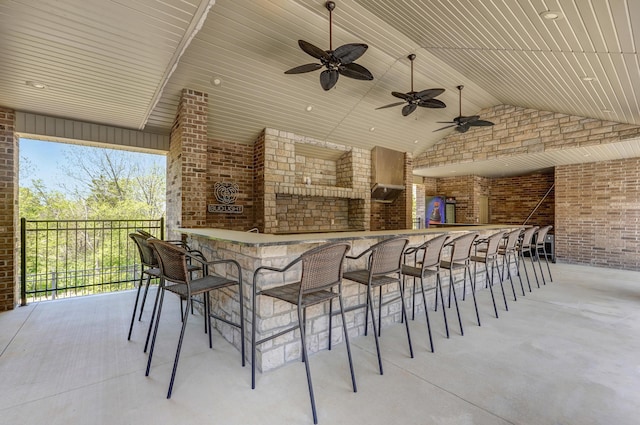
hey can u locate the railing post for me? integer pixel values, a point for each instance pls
(23, 261)
(54, 284)
(161, 228)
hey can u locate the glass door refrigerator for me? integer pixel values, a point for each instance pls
(450, 210)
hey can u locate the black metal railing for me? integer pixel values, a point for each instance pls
(68, 258)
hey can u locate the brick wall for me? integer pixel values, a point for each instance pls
(9, 288)
(233, 163)
(512, 199)
(187, 162)
(462, 188)
(597, 214)
(587, 231)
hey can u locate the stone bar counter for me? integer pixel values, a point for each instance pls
(253, 250)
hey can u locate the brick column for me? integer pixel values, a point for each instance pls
(9, 286)
(187, 163)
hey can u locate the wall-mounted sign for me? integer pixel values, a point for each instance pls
(226, 194)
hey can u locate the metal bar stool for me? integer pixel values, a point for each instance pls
(320, 282)
(173, 265)
(426, 265)
(489, 259)
(526, 246)
(509, 251)
(150, 268)
(540, 245)
(383, 267)
(460, 259)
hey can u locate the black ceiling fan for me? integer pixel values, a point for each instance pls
(338, 62)
(462, 123)
(413, 99)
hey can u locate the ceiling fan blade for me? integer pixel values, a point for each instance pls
(464, 120)
(446, 122)
(312, 50)
(328, 79)
(429, 93)
(431, 103)
(447, 126)
(481, 123)
(462, 128)
(304, 68)
(353, 70)
(405, 96)
(349, 52)
(409, 109)
(391, 104)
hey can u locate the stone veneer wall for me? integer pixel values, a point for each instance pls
(520, 131)
(284, 199)
(597, 213)
(187, 163)
(233, 163)
(9, 244)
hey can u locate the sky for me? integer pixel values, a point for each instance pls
(46, 158)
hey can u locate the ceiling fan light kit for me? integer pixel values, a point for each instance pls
(337, 62)
(413, 99)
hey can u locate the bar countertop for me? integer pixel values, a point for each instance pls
(264, 239)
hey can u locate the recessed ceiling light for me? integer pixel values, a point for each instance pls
(216, 81)
(415, 141)
(372, 129)
(551, 15)
(36, 84)
(587, 78)
(309, 108)
(586, 154)
(607, 111)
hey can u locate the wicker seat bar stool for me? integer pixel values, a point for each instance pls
(508, 251)
(173, 265)
(384, 266)
(426, 264)
(320, 282)
(460, 258)
(525, 246)
(150, 268)
(490, 259)
(540, 247)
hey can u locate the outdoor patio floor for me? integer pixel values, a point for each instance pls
(567, 353)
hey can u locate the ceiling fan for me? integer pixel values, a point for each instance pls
(462, 123)
(413, 99)
(338, 62)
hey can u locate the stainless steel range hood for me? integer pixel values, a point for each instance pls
(387, 174)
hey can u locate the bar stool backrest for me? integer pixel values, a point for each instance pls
(542, 234)
(172, 261)
(493, 243)
(527, 236)
(433, 251)
(322, 267)
(147, 255)
(386, 256)
(462, 245)
(512, 240)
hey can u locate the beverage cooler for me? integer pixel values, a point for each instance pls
(450, 209)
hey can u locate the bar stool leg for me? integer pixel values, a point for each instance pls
(301, 316)
(426, 312)
(346, 340)
(444, 311)
(455, 299)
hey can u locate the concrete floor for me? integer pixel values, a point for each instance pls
(567, 353)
